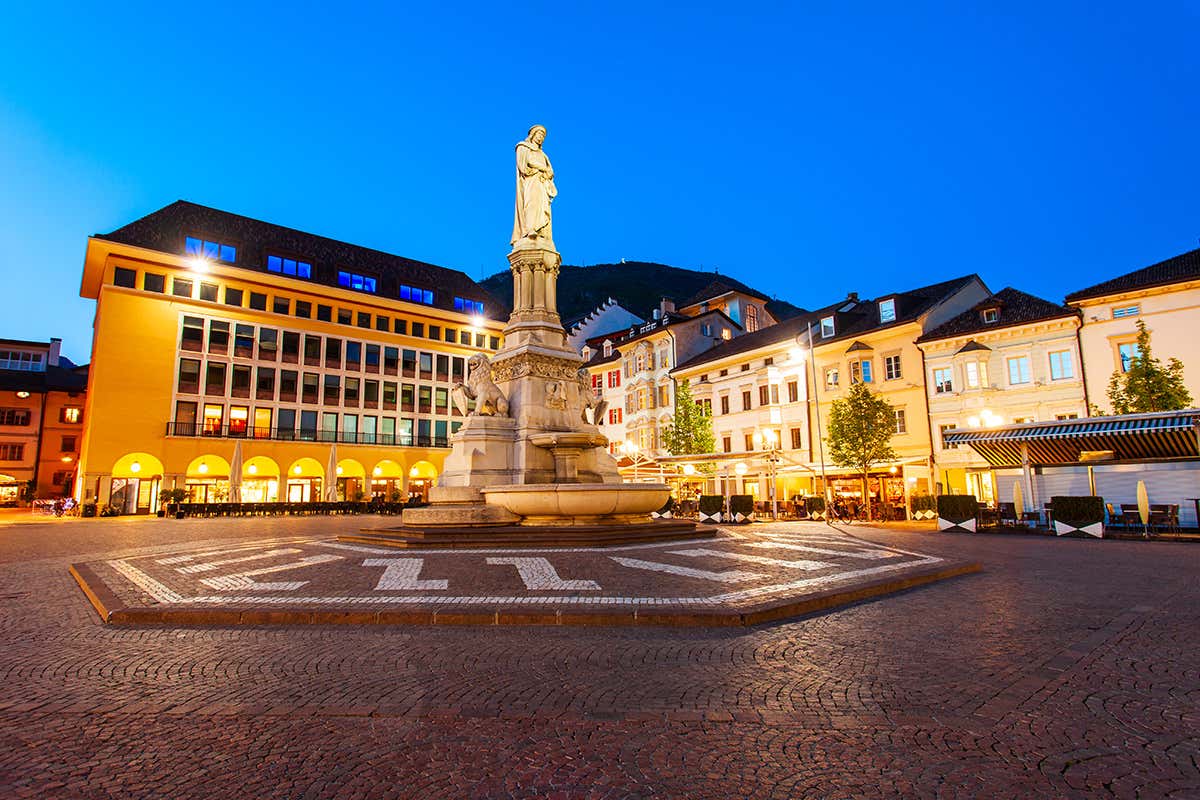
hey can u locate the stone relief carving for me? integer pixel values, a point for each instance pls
(538, 366)
(592, 407)
(556, 396)
(479, 386)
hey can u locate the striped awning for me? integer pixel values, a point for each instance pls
(1129, 437)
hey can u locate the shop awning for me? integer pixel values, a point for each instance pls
(1128, 437)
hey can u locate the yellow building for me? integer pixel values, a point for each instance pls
(219, 336)
(1166, 296)
(41, 419)
(1013, 358)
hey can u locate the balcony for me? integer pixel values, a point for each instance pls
(199, 430)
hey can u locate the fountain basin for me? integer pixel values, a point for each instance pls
(579, 503)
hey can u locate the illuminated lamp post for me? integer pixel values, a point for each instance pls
(766, 439)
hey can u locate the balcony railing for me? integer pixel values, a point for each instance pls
(304, 435)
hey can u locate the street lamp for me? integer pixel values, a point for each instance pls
(630, 448)
(766, 439)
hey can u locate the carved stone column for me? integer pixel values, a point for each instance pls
(534, 319)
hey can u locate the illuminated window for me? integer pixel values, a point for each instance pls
(831, 377)
(215, 251)
(416, 295)
(887, 310)
(289, 266)
(12, 452)
(71, 414)
(860, 371)
(468, 306)
(15, 417)
(976, 372)
(751, 318)
(359, 283)
(901, 421)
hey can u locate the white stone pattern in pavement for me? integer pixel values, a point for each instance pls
(538, 575)
(403, 574)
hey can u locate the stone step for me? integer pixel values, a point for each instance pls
(530, 536)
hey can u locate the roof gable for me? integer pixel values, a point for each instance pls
(1180, 268)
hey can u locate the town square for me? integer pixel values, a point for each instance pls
(814, 431)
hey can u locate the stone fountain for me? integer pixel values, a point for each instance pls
(529, 465)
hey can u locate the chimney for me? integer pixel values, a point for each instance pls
(666, 306)
(852, 296)
(55, 349)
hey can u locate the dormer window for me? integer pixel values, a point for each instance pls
(826, 327)
(990, 315)
(213, 251)
(586, 352)
(887, 310)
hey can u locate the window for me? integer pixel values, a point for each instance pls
(724, 404)
(238, 420)
(831, 377)
(943, 430)
(359, 283)
(12, 452)
(181, 287)
(793, 391)
(344, 316)
(435, 332)
(391, 360)
(797, 442)
(291, 347)
(281, 305)
(303, 309)
(751, 318)
(418, 330)
(289, 266)
(239, 385)
(309, 388)
(887, 310)
(705, 330)
(1061, 417)
(354, 355)
(990, 315)
(185, 418)
(350, 395)
(1018, 370)
(416, 295)
(827, 328)
(768, 361)
(124, 277)
(208, 292)
(764, 395)
(243, 341)
(154, 283)
(468, 306)
(382, 323)
(725, 334)
(71, 414)
(976, 373)
(218, 337)
(1061, 365)
(22, 360)
(189, 376)
(891, 368)
(400, 326)
(1126, 311)
(860, 371)
(214, 379)
(214, 417)
(614, 379)
(193, 334)
(614, 416)
(265, 386)
(324, 313)
(426, 363)
(727, 444)
(268, 344)
(258, 301)
(1127, 352)
(745, 367)
(942, 383)
(748, 442)
(901, 422)
(14, 417)
(312, 350)
(333, 390)
(746, 406)
(333, 352)
(233, 297)
(493, 342)
(216, 251)
(287, 385)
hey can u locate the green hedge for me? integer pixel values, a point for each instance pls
(957, 507)
(711, 504)
(923, 502)
(741, 504)
(814, 503)
(1080, 510)
(668, 506)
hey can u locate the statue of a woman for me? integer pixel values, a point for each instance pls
(535, 191)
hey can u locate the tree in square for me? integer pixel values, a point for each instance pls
(1148, 385)
(691, 431)
(861, 426)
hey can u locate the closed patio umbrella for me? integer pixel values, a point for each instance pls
(1018, 501)
(235, 474)
(331, 475)
(1143, 503)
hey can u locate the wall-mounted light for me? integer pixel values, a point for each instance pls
(22, 394)
(252, 469)
(296, 470)
(741, 468)
(198, 264)
(689, 469)
(203, 468)
(377, 472)
(338, 470)
(67, 459)
(136, 467)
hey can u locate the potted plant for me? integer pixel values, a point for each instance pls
(1080, 515)
(170, 500)
(815, 505)
(956, 512)
(667, 511)
(923, 506)
(741, 508)
(87, 510)
(711, 506)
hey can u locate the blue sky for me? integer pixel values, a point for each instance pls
(809, 149)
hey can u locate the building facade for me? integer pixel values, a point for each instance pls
(1013, 358)
(1165, 296)
(41, 420)
(218, 336)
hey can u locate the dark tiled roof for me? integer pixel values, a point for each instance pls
(165, 230)
(1183, 267)
(853, 318)
(622, 335)
(717, 288)
(599, 358)
(1016, 308)
(59, 379)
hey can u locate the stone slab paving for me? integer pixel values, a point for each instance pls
(745, 576)
(1065, 669)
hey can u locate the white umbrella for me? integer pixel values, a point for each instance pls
(235, 474)
(331, 475)
(1143, 500)
(1018, 500)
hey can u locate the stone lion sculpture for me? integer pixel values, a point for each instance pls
(593, 407)
(479, 386)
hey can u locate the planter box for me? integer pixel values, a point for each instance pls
(1063, 528)
(661, 515)
(927, 513)
(961, 526)
(713, 517)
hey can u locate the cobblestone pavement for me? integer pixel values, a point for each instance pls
(758, 573)
(1067, 668)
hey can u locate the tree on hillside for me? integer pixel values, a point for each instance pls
(1148, 385)
(861, 426)
(691, 431)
